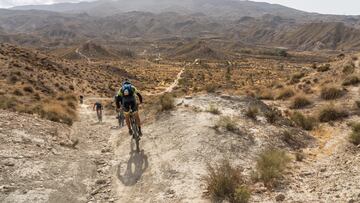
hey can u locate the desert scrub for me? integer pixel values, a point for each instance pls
(28, 89)
(331, 93)
(351, 80)
(306, 123)
(225, 182)
(296, 78)
(227, 123)
(210, 88)
(8, 102)
(285, 94)
(265, 95)
(18, 92)
(214, 110)
(355, 134)
(252, 112)
(324, 68)
(56, 111)
(331, 113)
(348, 69)
(167, 102)
(270, 166)
(272, 115)
(357, 104)
(300, 102)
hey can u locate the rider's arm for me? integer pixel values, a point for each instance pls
(140, 97)
(138, 94)
(118, 101)
(94, 107)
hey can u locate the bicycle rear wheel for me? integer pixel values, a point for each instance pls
(136, 136)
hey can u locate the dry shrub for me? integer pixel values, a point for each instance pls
(167, 102)
(324, 68)
(57, 112)
(225, 182)
(330, 113)
(227, 123)
(351, 80)
(265, 95)
(306, 123)
(296, 78)
(348, 69)
(285, 94)
(252, 112)
(355, 135)
(272, 115)
(28, 89)
(210, 88)
(357, 104)
(300, 102)
(299, 156)
(331, 93)
(18, 92)
(214, 110)
(270, 166)
(7, 102)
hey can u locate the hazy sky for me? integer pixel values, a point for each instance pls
(348, 7)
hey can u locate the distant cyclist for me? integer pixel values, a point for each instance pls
(98, 107)
(126, 98)
(81, 99)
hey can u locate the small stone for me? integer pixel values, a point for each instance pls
(100, 182)
(322, 170)
(280, 198)
(9, 163)
(188, 97)
(351, 201)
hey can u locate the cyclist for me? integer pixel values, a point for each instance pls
(81, 99)
(98, 107)
(126, 98)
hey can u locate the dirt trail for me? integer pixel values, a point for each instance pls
(171, 87)
(83, 55)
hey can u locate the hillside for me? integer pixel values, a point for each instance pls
(216, 8)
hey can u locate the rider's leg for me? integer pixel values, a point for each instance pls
(127, 119)
(138, 122)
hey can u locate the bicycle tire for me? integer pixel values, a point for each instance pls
(135, 130)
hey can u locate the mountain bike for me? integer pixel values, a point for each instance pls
(99, 115)
(135, 131)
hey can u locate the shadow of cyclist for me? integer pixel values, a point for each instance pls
(136, 166)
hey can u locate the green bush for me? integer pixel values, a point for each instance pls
(331, 113)
(225, 182)
(331, 93)
(355, 135)
(271, 165)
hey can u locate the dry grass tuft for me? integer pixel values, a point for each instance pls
(300, 102)
(270, 166)
(167, 102)
(227, 123)
(351, 80)
(355, 135)
(331, 93)
(306, 123)
(285, 94)
(225, 182)
(214, 110)
(331, 113)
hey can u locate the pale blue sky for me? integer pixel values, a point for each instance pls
(343, 7)
(348, 7)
